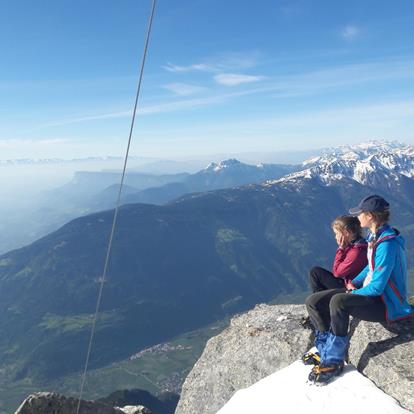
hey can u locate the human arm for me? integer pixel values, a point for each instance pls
(349, 285)
(348, 261)
(385, 256)
(359, 279)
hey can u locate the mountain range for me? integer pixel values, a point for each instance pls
(364, 163)
(182, 265)
(91, 191)
(226, 174)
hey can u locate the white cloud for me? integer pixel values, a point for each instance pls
(203, 67)
(148, 110)
(308, 83)
(350, 32)
(234, 79)
(184, 89)
(188, 103)
(219, 63)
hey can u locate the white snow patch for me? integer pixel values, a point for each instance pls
(287, 391)
(312, 160)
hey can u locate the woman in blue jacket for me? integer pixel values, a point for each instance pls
(377, 294)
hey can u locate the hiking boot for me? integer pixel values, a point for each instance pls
(323, 374)
(311, 358)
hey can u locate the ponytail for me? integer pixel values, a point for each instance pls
(380, 218)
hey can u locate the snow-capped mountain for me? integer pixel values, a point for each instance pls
(224, 165)
(232, 172)
(374, 163)
(236, 167)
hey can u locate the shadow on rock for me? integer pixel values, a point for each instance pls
(403, 331)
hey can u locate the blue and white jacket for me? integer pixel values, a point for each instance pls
(387, 271)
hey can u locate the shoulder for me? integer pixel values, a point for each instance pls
(386, 246)
(392, 235)
(360, 244)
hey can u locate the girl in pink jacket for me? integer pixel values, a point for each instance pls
(350, 257)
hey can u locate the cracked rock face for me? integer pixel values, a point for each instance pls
(269, 338)
(255, 345)
(385, 354)
(52, 403)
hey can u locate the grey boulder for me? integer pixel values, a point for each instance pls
(52, 403)
(269, 338)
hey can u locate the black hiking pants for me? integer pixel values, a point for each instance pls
(332, 308)
(321, 279)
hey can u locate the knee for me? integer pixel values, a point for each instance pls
(338, 301)
(310, 301)
(314, 270)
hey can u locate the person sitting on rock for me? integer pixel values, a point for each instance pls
(350, 257)
(377, 294)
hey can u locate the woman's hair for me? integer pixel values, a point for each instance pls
(349, 223)
(380, 218)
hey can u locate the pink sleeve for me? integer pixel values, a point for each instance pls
(349, 262)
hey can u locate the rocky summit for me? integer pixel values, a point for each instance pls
(52, 403)
(269, 338)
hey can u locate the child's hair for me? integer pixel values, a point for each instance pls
(349, 223)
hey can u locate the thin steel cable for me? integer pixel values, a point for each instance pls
(114, 221)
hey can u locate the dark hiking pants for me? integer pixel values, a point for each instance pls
(321, 279)
(332, 308)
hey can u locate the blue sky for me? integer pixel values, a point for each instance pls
(221, 76)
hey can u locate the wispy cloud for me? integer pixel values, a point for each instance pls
(219, 63)
(345, 121)
(234, 79)
(184, 89)
(81, 119)
(350, 32)
(338, 77)
(370, 113)
(166, 107)
(203, 67)
(304, 84)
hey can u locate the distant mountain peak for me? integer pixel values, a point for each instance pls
(225, 164)
(364, 163)
(230, 162)
(366, 148)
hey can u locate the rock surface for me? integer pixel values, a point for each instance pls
(52, 403)
(385, 354)
(163, 403)
(269, 338)
(255, 345)
(135, 409)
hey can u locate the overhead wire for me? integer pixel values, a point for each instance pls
(116, 211)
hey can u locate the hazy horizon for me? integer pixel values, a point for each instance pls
(31, 178)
